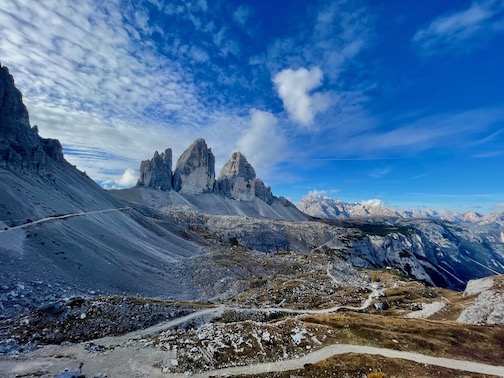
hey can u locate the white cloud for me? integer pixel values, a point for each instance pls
(203, 5)
(294, 88)
(129, 178)
(374, 202)
(320, 194)
(198, 54)
(262, 142)
(454, 30)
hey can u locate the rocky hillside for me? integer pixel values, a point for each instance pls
(61, 233)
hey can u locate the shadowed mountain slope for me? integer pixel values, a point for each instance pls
(104, 246)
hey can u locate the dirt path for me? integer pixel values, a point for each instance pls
(139, 361)
(330, 310)
(59, 217)
(337, 349)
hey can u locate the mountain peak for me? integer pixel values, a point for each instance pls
(21, 147)
(237, 178)
(156, 173)
(195, 170)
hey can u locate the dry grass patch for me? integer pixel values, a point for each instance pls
(361, 365)
(443, 339)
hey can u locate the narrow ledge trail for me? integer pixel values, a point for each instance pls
(60, 217)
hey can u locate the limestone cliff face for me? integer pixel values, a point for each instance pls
(21, 148)
(195, 170)
(263, 192)
(195, 174)
(156, 173)
(237, 179)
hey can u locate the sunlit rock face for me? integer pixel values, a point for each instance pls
(195, 170)
(237, 179)
(156, 173)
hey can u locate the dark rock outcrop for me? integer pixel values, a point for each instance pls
(157, 172)
(21, 147)
(263, 192)
(237, 179)
(195, 170)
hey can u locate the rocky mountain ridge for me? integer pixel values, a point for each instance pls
(20, 145)
(325, 207)
(62, 234)
(194, 174)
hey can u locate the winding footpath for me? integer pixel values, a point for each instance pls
(123, 359)
(59, 217)
(338, 349)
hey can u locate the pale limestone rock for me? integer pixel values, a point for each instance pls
(263, 192)
(195, 170)
(237, 179)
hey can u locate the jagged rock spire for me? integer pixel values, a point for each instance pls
(157, 172)
(237, 178)
(195, 174)
(263, 192)
(195, 170)
(21, 147)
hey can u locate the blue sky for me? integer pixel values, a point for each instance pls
(395, 100)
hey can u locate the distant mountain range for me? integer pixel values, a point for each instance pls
(325, 207)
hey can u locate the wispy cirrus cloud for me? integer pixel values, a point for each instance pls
(455, 131)
(380, 172)
(91, 79)
(457, 30)
(339, 31)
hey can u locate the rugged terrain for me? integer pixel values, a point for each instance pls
(319, 205)
(376, 313)
(188, 274)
